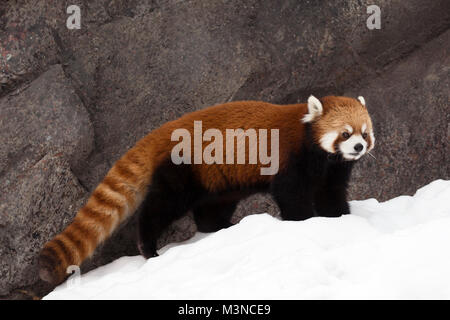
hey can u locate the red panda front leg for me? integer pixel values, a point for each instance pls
(330, 199)
(294, 204)
(292, 190)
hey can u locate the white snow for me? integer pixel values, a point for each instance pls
(399, 249)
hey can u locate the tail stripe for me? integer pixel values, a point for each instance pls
(125, 173)
(134, 168)
(98, 227)
(49, 256)
(79, 243)
(89, 239)
(102, 221)
(109, 205)
(66, 252)
(108, 192)
(134, 158)
(59, 253)
(118, 187)
(93, 232)
(105, 209)
(114, 199)
(107, 199)
(70, 249)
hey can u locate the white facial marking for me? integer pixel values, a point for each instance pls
(349, 128)
(315, 109)
(327, 141)
(363, 128)
(372, 138)
(362, 100)
(347, 147)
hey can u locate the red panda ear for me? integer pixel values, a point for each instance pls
(362, 100)
(315, 109)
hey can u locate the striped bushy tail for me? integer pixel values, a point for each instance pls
(113, 200)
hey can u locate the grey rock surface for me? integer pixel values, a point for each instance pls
(32, 213)
(410, 108)
(73, 101)
(44, 132)
(42, 117)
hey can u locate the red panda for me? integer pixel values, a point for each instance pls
(318, 143)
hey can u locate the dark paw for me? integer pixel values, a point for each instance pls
(147, 251)
(343, 210)
(333, 213)
(213, 227)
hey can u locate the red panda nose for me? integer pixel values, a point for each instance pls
(358, 147)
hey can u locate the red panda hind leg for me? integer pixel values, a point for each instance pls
(173, 192)
(330, 199)
(213, 216)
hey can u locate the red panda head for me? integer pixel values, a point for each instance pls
(341, 125)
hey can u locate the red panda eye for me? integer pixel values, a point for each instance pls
(364, 135)
(346, 135)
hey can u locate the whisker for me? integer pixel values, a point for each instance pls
(372, 155)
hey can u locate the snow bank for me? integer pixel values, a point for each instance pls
(395, 249)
